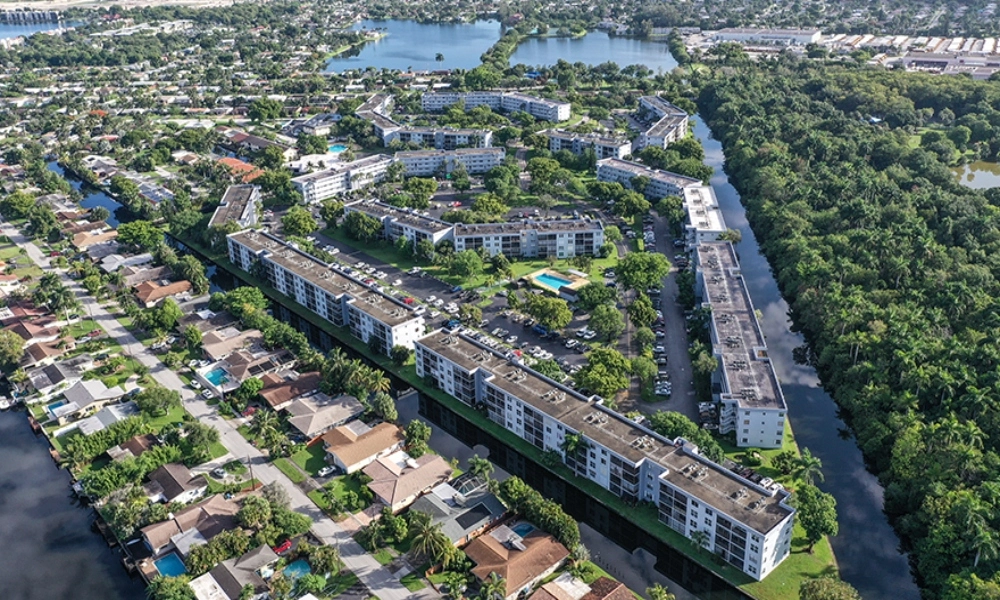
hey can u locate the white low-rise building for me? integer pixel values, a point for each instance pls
(540, 108)
(346, 177)
(240, 204)
(407, 223)
(531, 239)
(441, 138)
(705, 222)
(787, 37)
(371, 316)
(749, 524)
(752, 404)
(426, 163)
(603, 146)
(661, 183)
(669, 123)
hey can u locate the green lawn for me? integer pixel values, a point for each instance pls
(175, 415)
(413, 582)
(339, 583)
(290, 471)
(311, 459)
(216, 450)
(384, 557)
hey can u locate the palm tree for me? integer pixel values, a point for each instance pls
(700, 539)
(480, 466)
(264, 422)
(572, 443)
(439, 57)
(431, 543)
(493, 587)
(986, 543)
(808, 467)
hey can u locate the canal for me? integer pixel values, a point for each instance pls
(49, 550)
(92, 196)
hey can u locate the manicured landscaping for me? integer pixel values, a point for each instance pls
(311, 459)
(289, 469)
(413, 582)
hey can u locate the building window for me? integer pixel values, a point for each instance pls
(752, 569)
(744, 440)
(746, 422)
(753, 548)
(708, 521)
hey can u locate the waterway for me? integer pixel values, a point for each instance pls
(92, 197)
(411, 45)
(866, 547)
(49, 549)
(13, 31)
(979, 175)
(594, 48)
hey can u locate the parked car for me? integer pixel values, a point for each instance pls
(283, 547)
(218, 473)
(326, 471)
(208, 394)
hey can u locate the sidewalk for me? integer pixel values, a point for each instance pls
(376, 578)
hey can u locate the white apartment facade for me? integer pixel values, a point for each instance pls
(399, 222)
(661, 183)
(748, 524)
(751, 401)
(530, 239)
(798, 37)
(705, 222)
(442, 138)
(425, 163)
(346, 177)
(371, 316)
(603, 146)
(239, 204)
(670, 123)
(540, 108)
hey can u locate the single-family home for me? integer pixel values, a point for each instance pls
(219, 344)
(149, 293)
(242, 171)
(398, 479)
(568, 587)
(104, 418)
(113, 262)
(133, 447)
(62, 374)
(355, 445)
(173, 482)
(195, 524)
(133, 275)
(84, 396)
(206, 321)
(82, 241)
(463, 507)
(255, 361)
(38, 331)
(46, 353)
(605, 588)
(280, 389)
(521, 560)
(317, 413)
(230, 577)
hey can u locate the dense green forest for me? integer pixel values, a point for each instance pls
(891, 269)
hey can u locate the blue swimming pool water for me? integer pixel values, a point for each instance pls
(523, 529)
(56, 405)
(170, 565)
(549, 280)
(297, 569)
(337, 148)
(216, 376)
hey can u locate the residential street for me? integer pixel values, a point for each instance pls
(377, 578)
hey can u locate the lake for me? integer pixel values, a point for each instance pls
(50, 551)
(13, 31)
(594, 48)
(979, 175)
(409, 44)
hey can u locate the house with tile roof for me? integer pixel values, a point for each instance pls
(521, 562)
(355, 445)
(398, 479)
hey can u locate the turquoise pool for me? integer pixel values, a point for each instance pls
(217, 376)
(337, 148)
(522, 529)
(55, 405)
(550, 280)
(170, 565)
(297, 569)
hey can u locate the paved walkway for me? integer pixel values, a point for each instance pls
(378, 579)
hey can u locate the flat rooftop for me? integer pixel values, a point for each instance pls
(456, 152)
(634, 169)
(462, 229)
(663, 106)
(665, 124)
(535, 99)
(710, 482)
(343, 168)
(444, 130)
(234, 202)
(381, 211)
(590, 138)
(703, 208)
(383, 308)
(754, 30)
(745, 363)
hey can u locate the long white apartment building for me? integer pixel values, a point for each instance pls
(661, 183)
(705, 222)
(603, 146)
(400, 222)
(670, 123)
(424, 163)
(540, 108)
(239, 204)
(748, 524)
(530, 239)
(346, 177)
(441, 138)
(338, 298)
(798, 37)
(751, 402)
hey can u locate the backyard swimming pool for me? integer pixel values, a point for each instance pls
(337, 148)
(297, 569)
(522, 529)
(170, 565)
(550, 280)
(217, 376)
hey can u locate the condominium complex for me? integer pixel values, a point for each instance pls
(441, 138)
(669, 123)
(749, 525)
(239, 204)
(705, 222)
(399, 222)
(373, 317)
(540, 108)
(424, 163)
(603, 146)
(562, 239)
(786, 37)
(346, 177)
(661, 183)
(751, 402)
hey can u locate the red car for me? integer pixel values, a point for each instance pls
(407, 301)
(285, 547)
(250, 411)
(456, 204)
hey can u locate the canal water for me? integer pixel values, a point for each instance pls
(13, 31)
(409, 44)
(49, 550)
(979, 175)
(867, 547)
(92, 197)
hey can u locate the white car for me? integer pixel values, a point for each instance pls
(590, 335)
(207, 395)
(512, 339)
(381, 274)
(431, 299)
(195, 385)
(438, 303)
(397, 283)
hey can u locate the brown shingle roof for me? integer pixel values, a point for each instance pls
(83, 240)
(517, 567)
(151, 291)
(604, 588)
(211, 516)
(278, 391)
(394, 485)
(352, 449)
